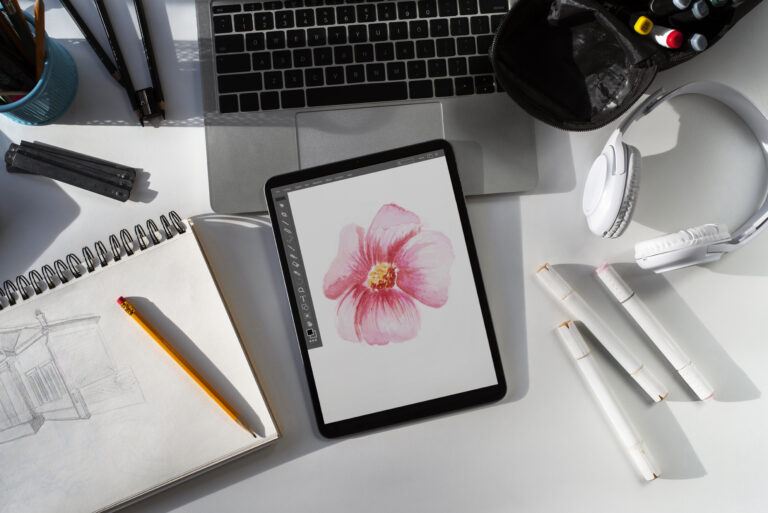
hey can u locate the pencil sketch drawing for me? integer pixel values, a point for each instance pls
(58, 371)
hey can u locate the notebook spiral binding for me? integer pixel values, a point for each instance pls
(70, 268)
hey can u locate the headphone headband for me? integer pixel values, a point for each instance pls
(743, 108)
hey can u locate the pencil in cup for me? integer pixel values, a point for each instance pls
(182, 362)
(626, 433)
(655, 331)
(575, 306)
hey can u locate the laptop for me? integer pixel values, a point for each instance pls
(294, 84)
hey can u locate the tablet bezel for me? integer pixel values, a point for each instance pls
(416, 410)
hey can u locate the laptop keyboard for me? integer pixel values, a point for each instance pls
(314, 53)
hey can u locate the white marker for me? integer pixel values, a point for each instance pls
(626, 433)
(575, 305)
(655, 331)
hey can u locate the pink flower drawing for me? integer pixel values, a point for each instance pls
(379, 275)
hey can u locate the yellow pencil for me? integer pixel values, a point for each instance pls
(39, 37)
(131, 310)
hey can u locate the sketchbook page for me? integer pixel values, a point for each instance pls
(93, 412)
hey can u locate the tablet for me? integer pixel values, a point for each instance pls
(385, 288)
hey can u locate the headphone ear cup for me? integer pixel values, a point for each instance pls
(629, 199)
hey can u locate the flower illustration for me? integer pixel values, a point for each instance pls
(378, 276)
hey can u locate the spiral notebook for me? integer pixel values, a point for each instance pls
(93, 414)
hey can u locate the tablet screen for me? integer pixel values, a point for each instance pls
(382, 278)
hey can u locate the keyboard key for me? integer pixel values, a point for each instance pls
(262, 61)
(377, 31)
(342, 54)
(314, 76)
(387, 11)
(302, 58)
(438, 27)
(459, 26)
(334, 75)
(273, 80)
(228, 103)
(345, 14)
(273, 6)
(358, 34)
(270, 100)
(276, 40)
(253, 6)
(385, 51)
(468, 6)
(355, 73)
(294, 78)
(464, 85)
(243, 22)
(395, 71)
(480, 65)
(255, 42)
(406, 10)
(484, 84)
(457, 66)
(263, 21)
(364, 53)
(316, 37)
(323, 56)
(404, 50)
(375, 72)
(379, 92)
(465, 46)
(249, 102)
(447, 8)
(445, 47)
(238, 83)
(493, 6)
(366, 13)
(292, 99)
(290, 4)
(480, 25)
(419, 29)
(296, 38)
(425, 49)
(281, 59)
(420, 89)
(417, 69)
(233, 63)
(229, 44)
(221, 9)
(305, 17)
(398, 30)
(427, 8)
(496, 20)
(443, 87)
(222, 24)
(337, 36)
(437, 68)
(484, 43)
(325, 16)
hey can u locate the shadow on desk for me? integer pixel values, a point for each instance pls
(33, 212)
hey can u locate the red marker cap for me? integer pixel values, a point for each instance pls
(675, 39)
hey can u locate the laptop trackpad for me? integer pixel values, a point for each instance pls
(333, 135)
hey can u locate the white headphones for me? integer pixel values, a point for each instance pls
(611, 189)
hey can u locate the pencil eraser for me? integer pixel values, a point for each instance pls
(120, 300)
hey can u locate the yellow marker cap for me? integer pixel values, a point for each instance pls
(643, 25)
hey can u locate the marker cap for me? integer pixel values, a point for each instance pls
(553, 282)
(643, 462)
(696, 381)
(614, 283)
(675, 39)
(650, 384)
(700, 9)
(682, 4)
(698, 42)
(573, 340)
(643, 25)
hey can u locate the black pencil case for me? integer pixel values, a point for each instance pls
(579, 65)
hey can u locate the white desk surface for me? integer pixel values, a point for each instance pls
(545, 447)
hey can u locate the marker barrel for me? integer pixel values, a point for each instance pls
(655, 331)
(575, 306)
(622, 427)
